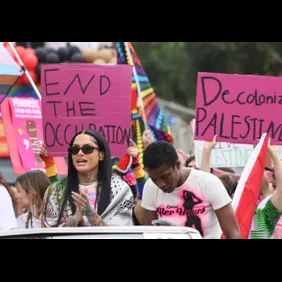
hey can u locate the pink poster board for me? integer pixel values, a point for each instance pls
(27, 123)
(238, 108)
(77, 97)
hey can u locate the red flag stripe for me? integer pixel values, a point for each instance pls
(248, 189)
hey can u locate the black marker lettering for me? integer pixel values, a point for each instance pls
(260, 127)
(119, 136)
(271, 129)
(87, 110)
(57, 135)
(65, 134)
(113, 134)
(198, 119)
(280, 134)
(49, 134)
(250, 98)
(212, 123)
(203, 81)
(77, 77)
(221, 127)
(249, 127)
(51, 83)
(127, 135)
(226, 92)
(108, 131)
(238, 98)
(233, 124)
(104, 90)
(70, 109)
(54, 104)
(261, 99)
(254, 127)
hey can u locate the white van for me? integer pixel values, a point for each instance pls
(104, 232)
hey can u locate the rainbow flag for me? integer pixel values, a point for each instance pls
(10, 72)
(154, 115)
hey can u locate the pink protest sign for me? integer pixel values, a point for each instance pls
(77, 97)
(27, 123)
(238, 108)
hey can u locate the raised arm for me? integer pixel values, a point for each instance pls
(141, 179)
(276, 198)
(50, 165)
(137, 169)
(205, 161)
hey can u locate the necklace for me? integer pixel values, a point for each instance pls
(89, 183)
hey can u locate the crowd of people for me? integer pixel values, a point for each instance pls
(167, 189)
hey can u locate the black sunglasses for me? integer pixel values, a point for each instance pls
(86, 149)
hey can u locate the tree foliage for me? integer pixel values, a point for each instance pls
(172, 67)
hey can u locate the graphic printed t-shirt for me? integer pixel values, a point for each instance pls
(193, 204)
(91, 192)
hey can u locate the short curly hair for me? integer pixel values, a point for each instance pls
(159, 153)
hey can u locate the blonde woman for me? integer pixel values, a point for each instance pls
(31, 187)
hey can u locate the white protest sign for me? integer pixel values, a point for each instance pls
(224, 154)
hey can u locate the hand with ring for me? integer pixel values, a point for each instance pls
(82, 203)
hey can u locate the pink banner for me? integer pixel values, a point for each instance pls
(238, 108)
(77, 97)
(26, 119)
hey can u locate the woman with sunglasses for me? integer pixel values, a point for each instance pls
(90, 195)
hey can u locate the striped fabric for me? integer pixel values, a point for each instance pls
(264, 222)
(277, 234)
(9, 72)
(155, 120)
(140, 177)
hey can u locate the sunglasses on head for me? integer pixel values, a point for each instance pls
(86, 149)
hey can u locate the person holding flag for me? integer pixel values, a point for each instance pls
(266, 217)
(256, 221)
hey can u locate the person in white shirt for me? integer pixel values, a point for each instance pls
(7, 213)
(31, 188)
(184, 196)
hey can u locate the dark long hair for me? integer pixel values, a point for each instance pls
(104, 176)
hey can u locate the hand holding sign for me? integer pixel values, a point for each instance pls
(147, 138)
(238, 108)
(43, 151)
(133, 150)
(76, 97)
(209, 146)
(273, 150)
